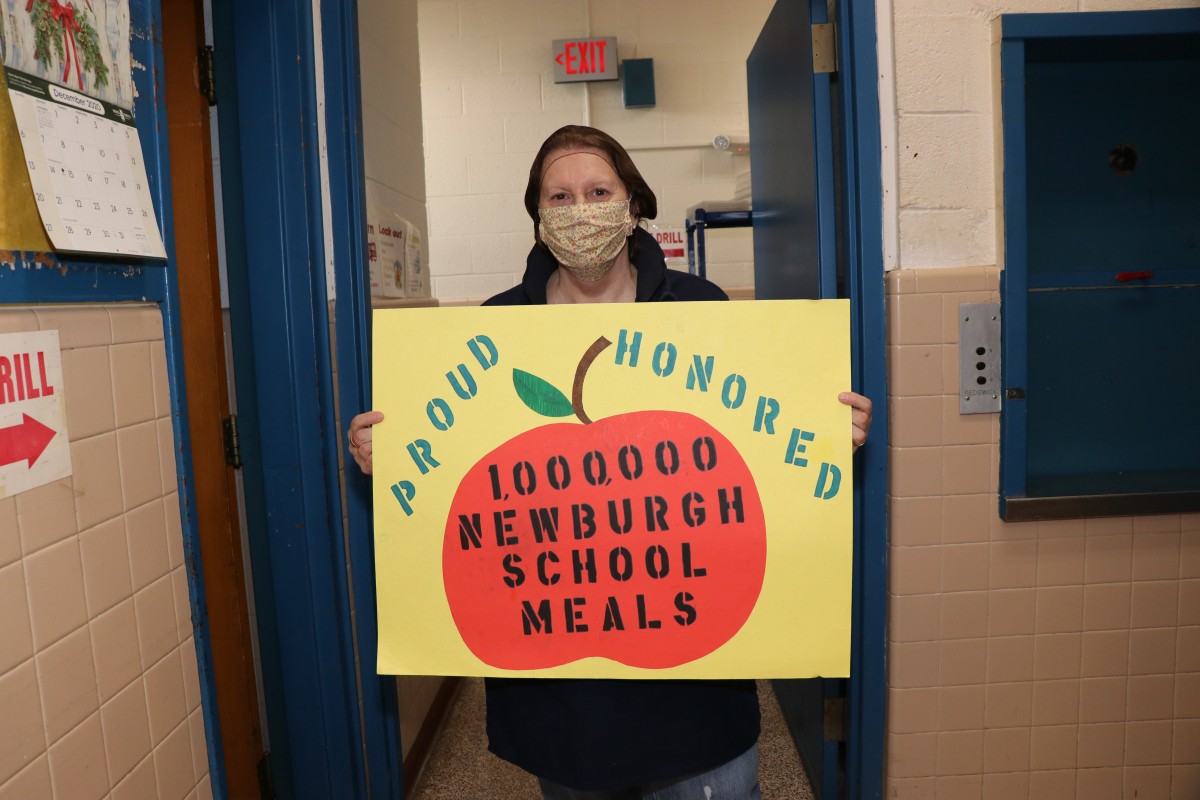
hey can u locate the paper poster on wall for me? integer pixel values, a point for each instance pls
(387, 237)
(33, 430)
(673, 242)
(69, 77)
(625, 490)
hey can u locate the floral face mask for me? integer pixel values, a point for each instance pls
(586, 237)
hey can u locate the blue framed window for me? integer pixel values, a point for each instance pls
(1101, 285)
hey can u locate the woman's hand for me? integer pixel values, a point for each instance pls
(358, 438)
(860, 417)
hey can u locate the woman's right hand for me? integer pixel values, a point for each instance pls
(358, 438)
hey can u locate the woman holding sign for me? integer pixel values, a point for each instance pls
(602, 739)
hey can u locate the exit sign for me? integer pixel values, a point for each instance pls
(585, 59)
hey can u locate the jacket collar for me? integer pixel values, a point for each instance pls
(650, 264)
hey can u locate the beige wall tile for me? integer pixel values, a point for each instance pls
(915, 570)
(1151, 697)
(901, 281)
(912, 788)
(960, 753)
(1101, 744)
(1154, 604)
(1053, 747)
(149, 557)
(105, 553)
(77, 764)
(1148, 743)
(158, 631)
(165, 696)
(158, 372)
(191, 675)
(911, 755)
(1055, 702)
(135, 323)
(961, 429)
(88, 380)
(166, 455)
(1189, 555)
(46, 515)
(959, 708)
(1187, 650)
(1108, 559)
(1152, 651)
(917, 319)
(1006, 750)
(915, 618)
(1148, 781)
(138, 784)
(126, 727)
(1059, 609)
(77, 326)
(199, 746)
(916, 370)
(1185, 782)
(1059, 785)
(913, 665)
(1106, 606)
(913, 710)
(54, 577)
(133, 383)
(115, 643)
(967, 787)
(1009, 658)
(967, 470)
(1008, 705)
(1108, 526)
(965, 567)
(965, 518)
(1056, 655)
(1185, 741)
(97, 480)
(915, 421)
(1061, 528)
(23, 734)
(1105, 653)
(1156, 556)
(954, 279)
(183, 603)
(1099, 784)
(141, 476)
(1060, 561)
(1187, 695)
(915, 471)
(204, 788)
(915, 521)
(965, 615)
(1006, 786)
(1189, 602)
(1157, 523)
(10, 531)
(15, 628)
(1102, 699)
(31, 783)
(962, 662)
(17, 320)
(173, 765)
(1011, 612)
(67, 679)
(1012, 565)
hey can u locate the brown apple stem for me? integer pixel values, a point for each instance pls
(580, 373)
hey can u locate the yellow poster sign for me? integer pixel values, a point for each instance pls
(628, 490)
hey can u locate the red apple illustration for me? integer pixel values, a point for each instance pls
(638, 538)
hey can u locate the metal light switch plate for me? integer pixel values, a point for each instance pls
(978, 358)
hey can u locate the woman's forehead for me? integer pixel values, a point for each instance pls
(577, 157)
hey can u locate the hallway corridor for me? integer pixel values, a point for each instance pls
(461, 768)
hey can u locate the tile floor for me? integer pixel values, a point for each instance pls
(461, 768)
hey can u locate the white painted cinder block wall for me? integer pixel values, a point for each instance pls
(489, 100)
(393, 151)
(943, 142)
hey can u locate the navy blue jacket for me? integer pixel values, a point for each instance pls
(603, 735)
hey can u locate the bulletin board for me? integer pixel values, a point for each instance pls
(621, 491)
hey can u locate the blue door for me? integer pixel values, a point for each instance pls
(814, 155)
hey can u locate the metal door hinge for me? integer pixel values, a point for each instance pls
(208, 80)
(233, 450)
(835, 719)
(824, 48)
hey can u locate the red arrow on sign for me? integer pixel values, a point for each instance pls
(24, 442)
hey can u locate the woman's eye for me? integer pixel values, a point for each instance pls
(600, 192)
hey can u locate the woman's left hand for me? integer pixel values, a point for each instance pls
(860, 417)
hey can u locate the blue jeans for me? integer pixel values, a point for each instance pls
(733, 780)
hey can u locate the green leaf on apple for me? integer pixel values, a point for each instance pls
(540, 396)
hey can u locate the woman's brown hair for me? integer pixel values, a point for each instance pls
(642, 202)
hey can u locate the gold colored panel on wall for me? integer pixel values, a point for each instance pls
(20, 223)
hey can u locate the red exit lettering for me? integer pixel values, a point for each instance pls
(17, 378)
(583, 58)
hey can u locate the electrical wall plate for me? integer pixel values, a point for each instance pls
(978, 358)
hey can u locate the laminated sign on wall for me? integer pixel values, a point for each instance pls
(394, 255)
(33, 430)
(69, 78)
(622, 490)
